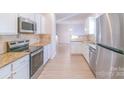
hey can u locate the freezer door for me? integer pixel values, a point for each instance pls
(110, 30)
(103, 63)
(109, 64)
(118, 66)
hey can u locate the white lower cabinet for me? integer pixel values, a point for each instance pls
(5, 72)
(21, 68)
(16, 70)
(85, 51)
(76, 47)
(21, 73)
(47, 53)
(80, 48)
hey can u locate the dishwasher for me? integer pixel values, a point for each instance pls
(92, 59)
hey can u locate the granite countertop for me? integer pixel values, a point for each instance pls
(10, 57)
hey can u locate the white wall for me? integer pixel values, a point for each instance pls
(77, 29)
(50, 28)
(64, 32)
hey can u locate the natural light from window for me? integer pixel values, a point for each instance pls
(91, 25)
(74, 37)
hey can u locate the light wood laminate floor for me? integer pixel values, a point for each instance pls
(66, 66)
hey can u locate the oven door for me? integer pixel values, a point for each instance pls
(36, 61)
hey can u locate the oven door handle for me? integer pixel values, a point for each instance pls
(36, 52)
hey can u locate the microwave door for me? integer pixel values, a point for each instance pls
(26, 26)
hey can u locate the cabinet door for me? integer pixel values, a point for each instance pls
(21, 72)
(43, 26)
(38, 19)
(85, 51)
(21, 68)
(30, 16)
(76, 47)
(92, 59)
(8, 23)
(45, 54)
(5, 72)
(49, 51)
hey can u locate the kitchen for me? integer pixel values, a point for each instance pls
(22, 51)
(29, 44)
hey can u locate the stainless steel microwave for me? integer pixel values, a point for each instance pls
(26, 26)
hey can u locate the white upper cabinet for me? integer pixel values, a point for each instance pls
(8, 24)
(38, 18)
(30, 16)
(43, 25)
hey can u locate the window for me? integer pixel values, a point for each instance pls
(74, 37)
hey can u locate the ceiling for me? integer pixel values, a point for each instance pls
(62, 15)
(72, 17)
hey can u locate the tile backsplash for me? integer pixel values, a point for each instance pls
(3, 47)
(5, 39)
(83, 38)
(32, 37)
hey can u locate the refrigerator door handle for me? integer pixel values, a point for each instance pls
(112, 49)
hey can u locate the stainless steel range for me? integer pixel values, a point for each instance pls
(36, 53)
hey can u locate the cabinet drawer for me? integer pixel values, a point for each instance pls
(20, 62)
(5, 71)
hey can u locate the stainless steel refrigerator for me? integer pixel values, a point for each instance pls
(110, 46)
